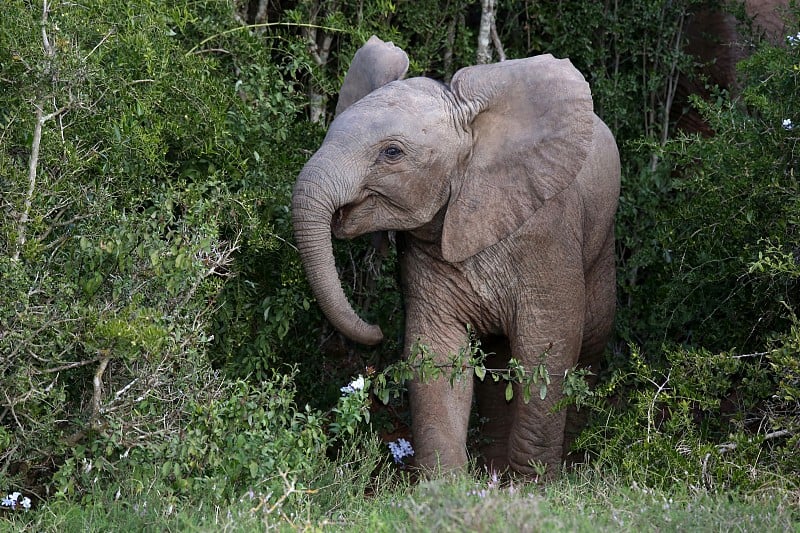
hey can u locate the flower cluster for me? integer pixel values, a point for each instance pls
(793, 39)
(787, 122)
(355, 385)
(494, 484)
(12, 501)
(400, 448)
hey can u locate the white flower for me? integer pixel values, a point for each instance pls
(787, 124)
(793, 39)
(400, 448)
(355, 385)
(358, 384)
(12, 500)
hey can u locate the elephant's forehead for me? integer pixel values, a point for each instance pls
(408, 93)
(403, 106)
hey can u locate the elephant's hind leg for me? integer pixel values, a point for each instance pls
(600, 307)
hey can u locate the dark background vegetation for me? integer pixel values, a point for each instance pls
(155, 324)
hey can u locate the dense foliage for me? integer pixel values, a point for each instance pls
(716, 310)
(156, 329)
(157, 169)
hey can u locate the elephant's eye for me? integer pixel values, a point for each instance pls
(392, 152)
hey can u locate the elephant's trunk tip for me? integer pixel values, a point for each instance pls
(372, 335)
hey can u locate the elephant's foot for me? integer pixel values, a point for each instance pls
(537, 471)
(439, 420)
(535, 461)
(439, 445)
(439, 463)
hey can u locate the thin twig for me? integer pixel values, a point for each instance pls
(68, 366)
(194, 49)
(98, 45)
(653, 404)
(33, 162)
(756, 354)
(97, 382)
(501, 53)
(777, 434)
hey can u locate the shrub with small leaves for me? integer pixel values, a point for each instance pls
(709, 397)
(246, 437)
(135, 171)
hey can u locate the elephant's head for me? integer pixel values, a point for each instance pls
(484, 153)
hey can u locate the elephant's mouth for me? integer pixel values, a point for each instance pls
(340, 224)
(356, 218)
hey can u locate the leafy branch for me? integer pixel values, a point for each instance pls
(353, 407)
(425, 365)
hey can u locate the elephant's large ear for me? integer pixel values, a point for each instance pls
(374, 65)
(531, 122)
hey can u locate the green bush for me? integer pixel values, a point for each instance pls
(247, 437)
(711, 398)
(116, 254)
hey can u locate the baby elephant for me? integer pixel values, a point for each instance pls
(502, 187)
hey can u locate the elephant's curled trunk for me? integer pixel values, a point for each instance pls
(313, 207)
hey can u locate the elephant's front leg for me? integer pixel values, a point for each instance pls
(548, 333)
(439, 411)
(535, 444)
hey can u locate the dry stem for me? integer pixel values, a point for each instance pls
(33, 163)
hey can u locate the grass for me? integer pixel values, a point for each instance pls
(587, 500)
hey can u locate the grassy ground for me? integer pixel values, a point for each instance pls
(586, 501)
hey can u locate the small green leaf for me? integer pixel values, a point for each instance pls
(509, 392)
(383, 396)
(480, 372)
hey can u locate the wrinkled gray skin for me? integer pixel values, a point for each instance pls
(503, 189)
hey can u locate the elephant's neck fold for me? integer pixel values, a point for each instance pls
(430, 233)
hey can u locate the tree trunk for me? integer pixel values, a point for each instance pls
(448, 51)
(319, 47)
(484, 54)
